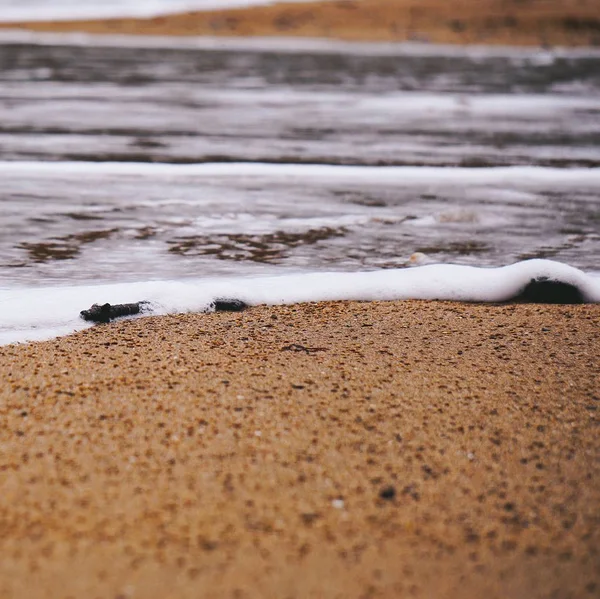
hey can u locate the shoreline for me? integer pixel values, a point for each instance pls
(535, 23)
(345, 448)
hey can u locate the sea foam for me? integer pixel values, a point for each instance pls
(28, 314)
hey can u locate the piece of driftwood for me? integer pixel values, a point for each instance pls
(106, 312)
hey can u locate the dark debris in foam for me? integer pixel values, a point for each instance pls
(104, 313)
(547, 291)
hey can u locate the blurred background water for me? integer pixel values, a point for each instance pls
(352, 109)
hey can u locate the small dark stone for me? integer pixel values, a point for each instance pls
(223, 304)
(309, 517)
(545, 291)
(388, 493)
(471, 536)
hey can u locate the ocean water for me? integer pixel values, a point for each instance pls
(177, 170)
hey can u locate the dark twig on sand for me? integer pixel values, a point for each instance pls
(107, 312)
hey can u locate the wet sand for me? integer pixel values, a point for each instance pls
(510, 22)
(321, 450)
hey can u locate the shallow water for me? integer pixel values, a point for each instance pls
(82, 223)
(186, 105)
(468, 110)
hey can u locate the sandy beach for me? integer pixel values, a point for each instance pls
(344, 449)
(381, 449)
(508, 22)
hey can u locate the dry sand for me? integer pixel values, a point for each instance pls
(513, 22)
(320, 450)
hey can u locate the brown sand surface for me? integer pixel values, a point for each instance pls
(511, 22)
(387, 449)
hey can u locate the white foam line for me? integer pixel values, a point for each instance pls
(432, 282)
(27, 313)
(321, 172)
(289, 45)
(380, 109)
